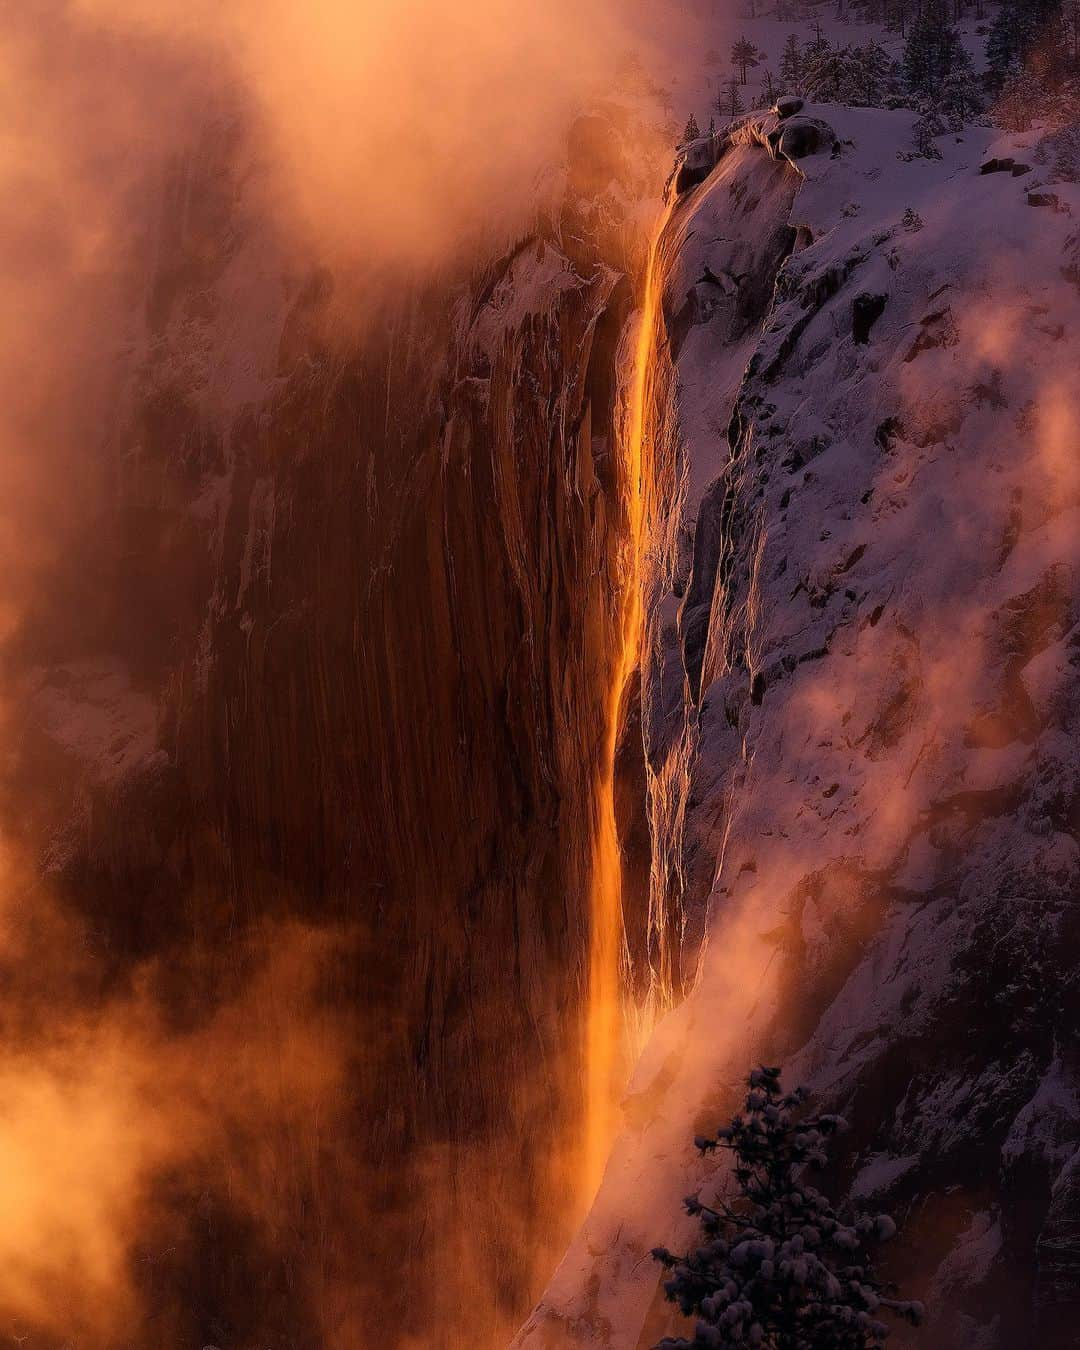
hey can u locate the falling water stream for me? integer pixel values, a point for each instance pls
(605, 1057)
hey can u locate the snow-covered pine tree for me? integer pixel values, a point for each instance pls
(817, 45)
(691, 132)
(1021, 100)
(791, 65)
(879, 72)
(911, 220)
(1060, 151)
(1018, 27)
(919, 53)
(1051, 65)
(779, 1268)
(933, 49)
(864, 77)
(1066, 113)
(1003, 42)
(823, 75)
(925, 129)
(961, 94)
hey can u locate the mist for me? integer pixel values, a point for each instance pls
(388, 132)
(194, 1062)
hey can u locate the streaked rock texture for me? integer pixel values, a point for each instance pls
(363, 624)
(861, 713)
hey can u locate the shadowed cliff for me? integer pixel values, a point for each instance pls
(362, 616)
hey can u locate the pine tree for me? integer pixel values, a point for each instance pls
(691, 132)
(961, 96)
(933, 49)
(1010, 34)
(1060, 151)
(880, 74)
(823, 75)
(743, 55)
(729, 101)
(1001, 42)
(763, 99)
(864, 77)
(896, 16)
(1020, 102)
(791, 64)
(779, 1268)
(1017, 28)
(911, 220)
(918, 53)
(1072, 35)
(818, 43)
(925, 130)
(1049, 61)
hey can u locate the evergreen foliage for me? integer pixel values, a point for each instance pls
(926, 128)
(791, 64)
(1017, 28)
(819, 43)
(729, 101)
(780, 1268)
(744, 55)
(911, 220)
(1060, 152)
(961, 96)
(934, 50)
(863, 77)
(691, 132)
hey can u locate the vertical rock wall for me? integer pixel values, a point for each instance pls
(369, 585)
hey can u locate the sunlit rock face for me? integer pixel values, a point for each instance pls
(365, 626)
(861, 712)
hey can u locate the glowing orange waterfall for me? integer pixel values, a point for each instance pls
(604, 1019)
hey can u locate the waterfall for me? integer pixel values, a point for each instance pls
(608, 1015)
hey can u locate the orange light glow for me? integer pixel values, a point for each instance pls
(604, 1016)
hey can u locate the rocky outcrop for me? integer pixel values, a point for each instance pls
(861, 708)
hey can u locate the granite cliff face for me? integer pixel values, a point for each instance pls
(860, 709)
(364, 553)
(367, 613)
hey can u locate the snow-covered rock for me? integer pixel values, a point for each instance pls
(861, 711)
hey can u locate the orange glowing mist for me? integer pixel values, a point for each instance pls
(604, 1017)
